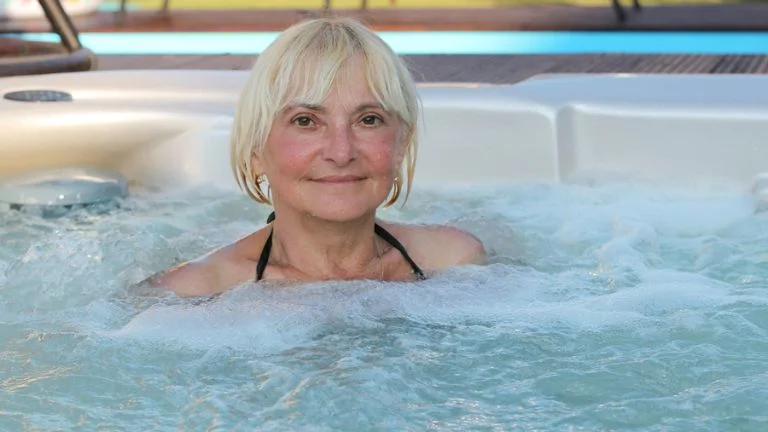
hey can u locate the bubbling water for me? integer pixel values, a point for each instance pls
(615, 305)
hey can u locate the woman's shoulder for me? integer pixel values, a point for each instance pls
(213, 272)
(435, 247)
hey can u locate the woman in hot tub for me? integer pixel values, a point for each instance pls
(326, 132)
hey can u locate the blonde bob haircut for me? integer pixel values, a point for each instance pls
(301, 66)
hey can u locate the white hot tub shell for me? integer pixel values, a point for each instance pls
(166, 129)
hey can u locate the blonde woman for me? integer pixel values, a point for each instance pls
(326, 132)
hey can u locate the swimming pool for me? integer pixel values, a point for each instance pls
(627, 287)
(440, 42)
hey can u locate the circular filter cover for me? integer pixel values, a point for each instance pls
(38, 96)
(62, 186)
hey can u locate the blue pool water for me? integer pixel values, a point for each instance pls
(441, 42)
(605, 307)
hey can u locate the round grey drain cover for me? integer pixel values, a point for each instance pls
(62, 186)
(38, 96)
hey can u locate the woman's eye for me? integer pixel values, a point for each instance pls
(303, 121)
(371, 120)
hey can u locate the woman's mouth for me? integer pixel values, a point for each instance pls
(339, 179)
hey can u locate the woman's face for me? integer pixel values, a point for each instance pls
(336, 161)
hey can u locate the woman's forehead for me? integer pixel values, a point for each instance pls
(340, 95)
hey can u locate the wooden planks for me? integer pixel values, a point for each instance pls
(689, 17)
(488, 68)
(478, 68)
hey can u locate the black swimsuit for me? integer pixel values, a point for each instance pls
(381, 232)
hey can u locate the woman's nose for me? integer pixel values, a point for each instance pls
(340, 147)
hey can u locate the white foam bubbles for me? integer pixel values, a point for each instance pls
(260, 325)
(274, 318)
(269, 320)
(590, 255)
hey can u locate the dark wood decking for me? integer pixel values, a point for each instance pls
(488, 69)
(733, 16)
(477, 68)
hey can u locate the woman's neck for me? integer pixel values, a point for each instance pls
(325, 249)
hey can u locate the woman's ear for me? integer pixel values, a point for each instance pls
(256, 163)
(402, 146)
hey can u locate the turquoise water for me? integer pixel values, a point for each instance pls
(605, 307)
(441, 42)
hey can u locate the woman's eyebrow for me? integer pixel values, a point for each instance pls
(311, 107)
(319, 108)
(369, 105)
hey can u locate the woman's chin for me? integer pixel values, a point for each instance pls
(343, 212)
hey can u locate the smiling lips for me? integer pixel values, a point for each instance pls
(339, 179)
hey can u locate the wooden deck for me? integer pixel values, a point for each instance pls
(732, 16)
(488, 69)
(476, 68)
(467, 68)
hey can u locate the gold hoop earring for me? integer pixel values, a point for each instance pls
(397, 187)
(262, 197)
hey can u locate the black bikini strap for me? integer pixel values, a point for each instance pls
(264, 258)
(389, 238)
(379, 230)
